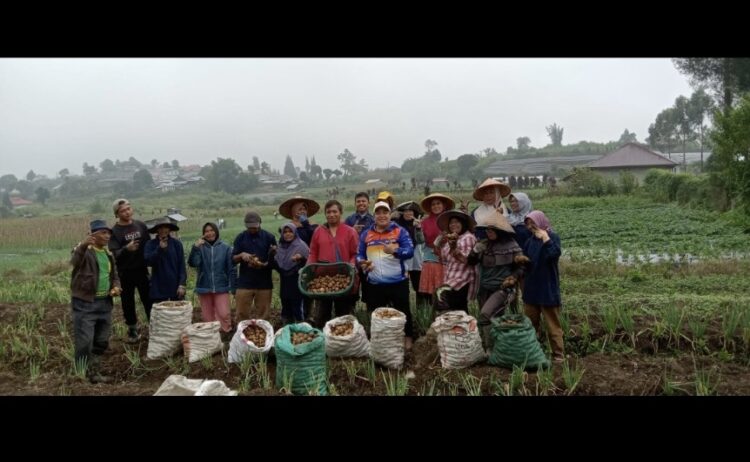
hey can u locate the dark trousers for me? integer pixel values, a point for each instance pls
(457, 299)
(493, 303)
(92, 326)
(342, 306)
(292, 309)
(131, 280)
(394, 295)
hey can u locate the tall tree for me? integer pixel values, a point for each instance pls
(256, 163)
(154, 163)
(107, 165)
(265, 169)
(316, 171)
(465, 163)
(730, 161)
(289, 167)
(627, 137)
(327, 172)
(662, 133)
(42, 194)
(489, 152)
(225, 175)
(166, 165)
(134, 162)
(727, 77)
(31, 175)
(8, 181)
(430, 145)
(700, 106)
(684, 122)
(175, 164)
(555, 134)
(64, 173)
(89, 170)
(142, 180)
(523, 143)
(348, 162)
(307, 164)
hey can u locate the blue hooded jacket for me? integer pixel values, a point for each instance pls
(216, 272)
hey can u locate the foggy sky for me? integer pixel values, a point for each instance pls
(60, 113)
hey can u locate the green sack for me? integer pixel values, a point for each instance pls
(516, 343)
(303, 365)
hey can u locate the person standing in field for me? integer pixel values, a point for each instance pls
(541, 294)
(252, 250)
(129, 237)
(94, 281)
(217, 276)
(166, 257)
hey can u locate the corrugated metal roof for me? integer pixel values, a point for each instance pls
(632, 155)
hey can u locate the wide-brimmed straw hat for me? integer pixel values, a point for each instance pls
(447, 201)
(163, 221)
(285, 209)
(498, 222)
(466, 219)
(490, 183)
(410, 205)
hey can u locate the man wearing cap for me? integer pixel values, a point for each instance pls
(491, 193)
(390, 199)
(333, 242)
(93, 283)
(166, 257)
(383, 251)
(252, 251)
(129, 238)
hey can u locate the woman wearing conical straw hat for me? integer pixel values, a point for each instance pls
(490, 193)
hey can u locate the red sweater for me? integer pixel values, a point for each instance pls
(322, 249)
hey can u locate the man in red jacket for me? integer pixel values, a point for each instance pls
(334, 241)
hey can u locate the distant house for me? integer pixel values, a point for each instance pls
(373, 181)
(19, 202)
(443, 182)
(631, 157)
(292, 187)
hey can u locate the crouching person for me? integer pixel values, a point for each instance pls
(93, 283)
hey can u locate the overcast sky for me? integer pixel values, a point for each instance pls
(60, 113)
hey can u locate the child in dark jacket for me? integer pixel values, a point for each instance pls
(290, 255)
(217, 276)
(541, 294)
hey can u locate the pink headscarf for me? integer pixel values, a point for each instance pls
(540, 220)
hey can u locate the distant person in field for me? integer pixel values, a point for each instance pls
(490, 193)
(334, 241)
(432, 266)
(541, 293)
(520, 206)
(289, 257)
(217, 276)
(166, 257)
(93, 283)
(252, 251)
(360, 220)
(128, 241)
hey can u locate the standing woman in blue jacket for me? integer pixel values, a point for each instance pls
(217, 276)
(166, 257)
(541, 294)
